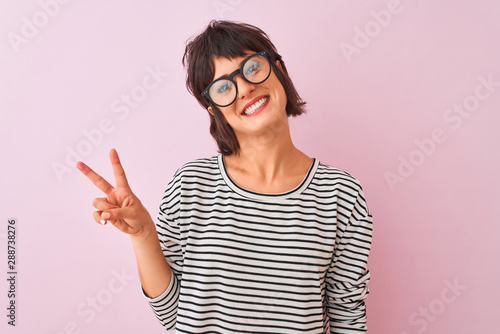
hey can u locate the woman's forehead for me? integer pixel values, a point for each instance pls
(223, 65)
(237, 59)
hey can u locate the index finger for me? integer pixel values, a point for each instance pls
(96, 179)
(120, 178)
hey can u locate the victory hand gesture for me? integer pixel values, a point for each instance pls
(120, 206)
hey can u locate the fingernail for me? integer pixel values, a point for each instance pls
(103, 221)
(105, 215)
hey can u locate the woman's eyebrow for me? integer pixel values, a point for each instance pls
(226, 74)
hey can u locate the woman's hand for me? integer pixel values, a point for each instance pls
(120, 206)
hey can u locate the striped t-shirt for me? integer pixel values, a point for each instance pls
(247, 262)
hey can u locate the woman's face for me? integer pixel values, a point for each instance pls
(258, 107)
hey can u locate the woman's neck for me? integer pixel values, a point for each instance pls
(268, 163)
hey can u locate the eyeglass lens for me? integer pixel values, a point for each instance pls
(255, 70)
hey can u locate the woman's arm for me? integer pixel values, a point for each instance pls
(125, 211)
(348, 276)
(154, 272)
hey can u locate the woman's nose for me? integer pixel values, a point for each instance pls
(245, 88)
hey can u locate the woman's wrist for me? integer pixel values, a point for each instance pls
(145, 233)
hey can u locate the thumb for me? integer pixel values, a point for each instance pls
(114, 214)
(119, 213)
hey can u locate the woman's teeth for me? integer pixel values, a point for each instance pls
(250, 110)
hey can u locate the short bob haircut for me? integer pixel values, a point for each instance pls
(230, 39)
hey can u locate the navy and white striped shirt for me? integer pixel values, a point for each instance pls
(247, 262)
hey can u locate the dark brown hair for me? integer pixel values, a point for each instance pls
(231, 40)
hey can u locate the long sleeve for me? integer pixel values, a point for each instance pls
(348, 276)
(165, 305)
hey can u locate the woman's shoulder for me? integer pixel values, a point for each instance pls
(193, 170)
(329, 174)
(206, 165)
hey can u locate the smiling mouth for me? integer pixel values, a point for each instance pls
(256, 106)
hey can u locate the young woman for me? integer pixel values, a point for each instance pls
(260, 238)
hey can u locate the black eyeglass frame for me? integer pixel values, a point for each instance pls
(230, 77)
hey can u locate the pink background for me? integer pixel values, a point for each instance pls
(380, 78)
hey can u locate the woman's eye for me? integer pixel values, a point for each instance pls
(224, 88)
(252, 68)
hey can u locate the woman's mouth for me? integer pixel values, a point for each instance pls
(255, 107)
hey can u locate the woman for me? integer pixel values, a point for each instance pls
(260, 238)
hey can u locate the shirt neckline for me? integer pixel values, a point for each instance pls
(267, 196)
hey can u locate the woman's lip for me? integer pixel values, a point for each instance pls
(259, 109)
(252, 102)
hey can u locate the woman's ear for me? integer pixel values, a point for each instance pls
(278, 63)
(210, 110)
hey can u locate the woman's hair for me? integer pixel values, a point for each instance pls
(230, 40)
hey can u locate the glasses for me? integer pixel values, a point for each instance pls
(255, 69)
